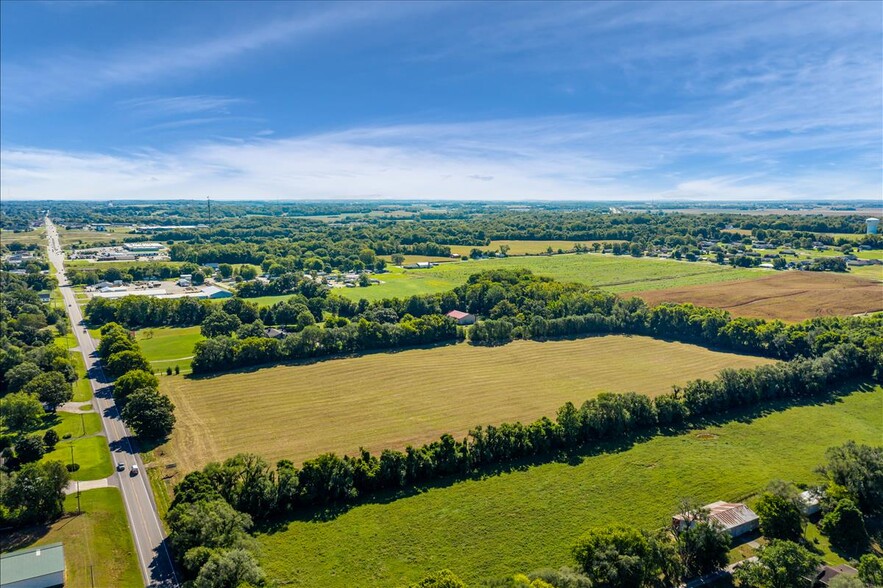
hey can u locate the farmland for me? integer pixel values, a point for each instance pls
(789, 296)
(614, 273)
(528, 519)
(87, 238)
(391, 399)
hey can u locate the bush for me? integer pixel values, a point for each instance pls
(72, 467)
(30, 448)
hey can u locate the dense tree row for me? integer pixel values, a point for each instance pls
(224, 352)
(143, 408)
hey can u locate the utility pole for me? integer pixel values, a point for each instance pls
(208, 200)
(78, 498)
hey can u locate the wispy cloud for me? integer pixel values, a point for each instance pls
(178, 105)
(72, 74)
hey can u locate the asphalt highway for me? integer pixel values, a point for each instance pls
(154, 559)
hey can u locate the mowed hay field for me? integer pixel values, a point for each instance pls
(387, 400)
(528, 519)
(789, 296)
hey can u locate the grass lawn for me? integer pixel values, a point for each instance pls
(169, 346)
(81, 237)
(78, 425)
(90, 452)
(97, 543)
(82, 388)
(614, 273)
(384, 400)
(522, 247)
(528, 519)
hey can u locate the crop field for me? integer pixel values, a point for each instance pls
(789, 296)
(521, 247)
(168, 346)
(528, 518)
(98, 548)
(614, 273)
(386, 400)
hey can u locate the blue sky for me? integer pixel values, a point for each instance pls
(645, 100)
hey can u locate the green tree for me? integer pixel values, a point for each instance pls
(213, 524)
(197, 278)
(397, 259)
(21, 411)
(219, 323)
(619, 557)
(36, 492)
(127, 361)
(229, 568)
(50, 439)
(150, 414)
(248, 272)
(780, 518)
(870, 569)
(844, 581)
(30, 448)
(17, 377)
(128, 383)
(440, 579)
(51, 388)
(780, 564)
(702, 544)
(859, 468)
(845, 526)
(225, 269)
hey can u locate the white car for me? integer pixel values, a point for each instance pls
(134, 470)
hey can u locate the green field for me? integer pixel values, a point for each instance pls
(522, 247)
(614, 273)
(82, 388)
(387, 400)
(169, 346)
(528, 519)
(98, 547)
(25, 237)
(81, 237)
(90, 452)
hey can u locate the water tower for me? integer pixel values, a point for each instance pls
(872, 223)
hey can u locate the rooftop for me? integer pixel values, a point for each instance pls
(31, 563)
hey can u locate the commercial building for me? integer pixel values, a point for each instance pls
(37, 567)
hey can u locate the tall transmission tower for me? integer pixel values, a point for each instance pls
(208, 200)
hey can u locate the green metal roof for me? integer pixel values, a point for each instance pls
(35, 562)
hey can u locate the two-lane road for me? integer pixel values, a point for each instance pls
(157, 567)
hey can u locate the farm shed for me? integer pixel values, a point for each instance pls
(37, 567)
(825, 574)
(462, 318)
(736, 518)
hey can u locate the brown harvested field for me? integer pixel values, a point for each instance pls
(387, 400)
(789, 296)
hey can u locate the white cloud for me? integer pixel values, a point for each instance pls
(542, 158)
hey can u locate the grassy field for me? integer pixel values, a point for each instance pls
(528, 519)
(80, 237)
(82, 388)
(789, 296)
(90, 452)
(521, 247)
(391, 399)
(98, 547)
(614, 273)
(25, 237)
(169, 346)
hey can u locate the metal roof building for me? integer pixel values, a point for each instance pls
(37, 567)
(736, 518)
